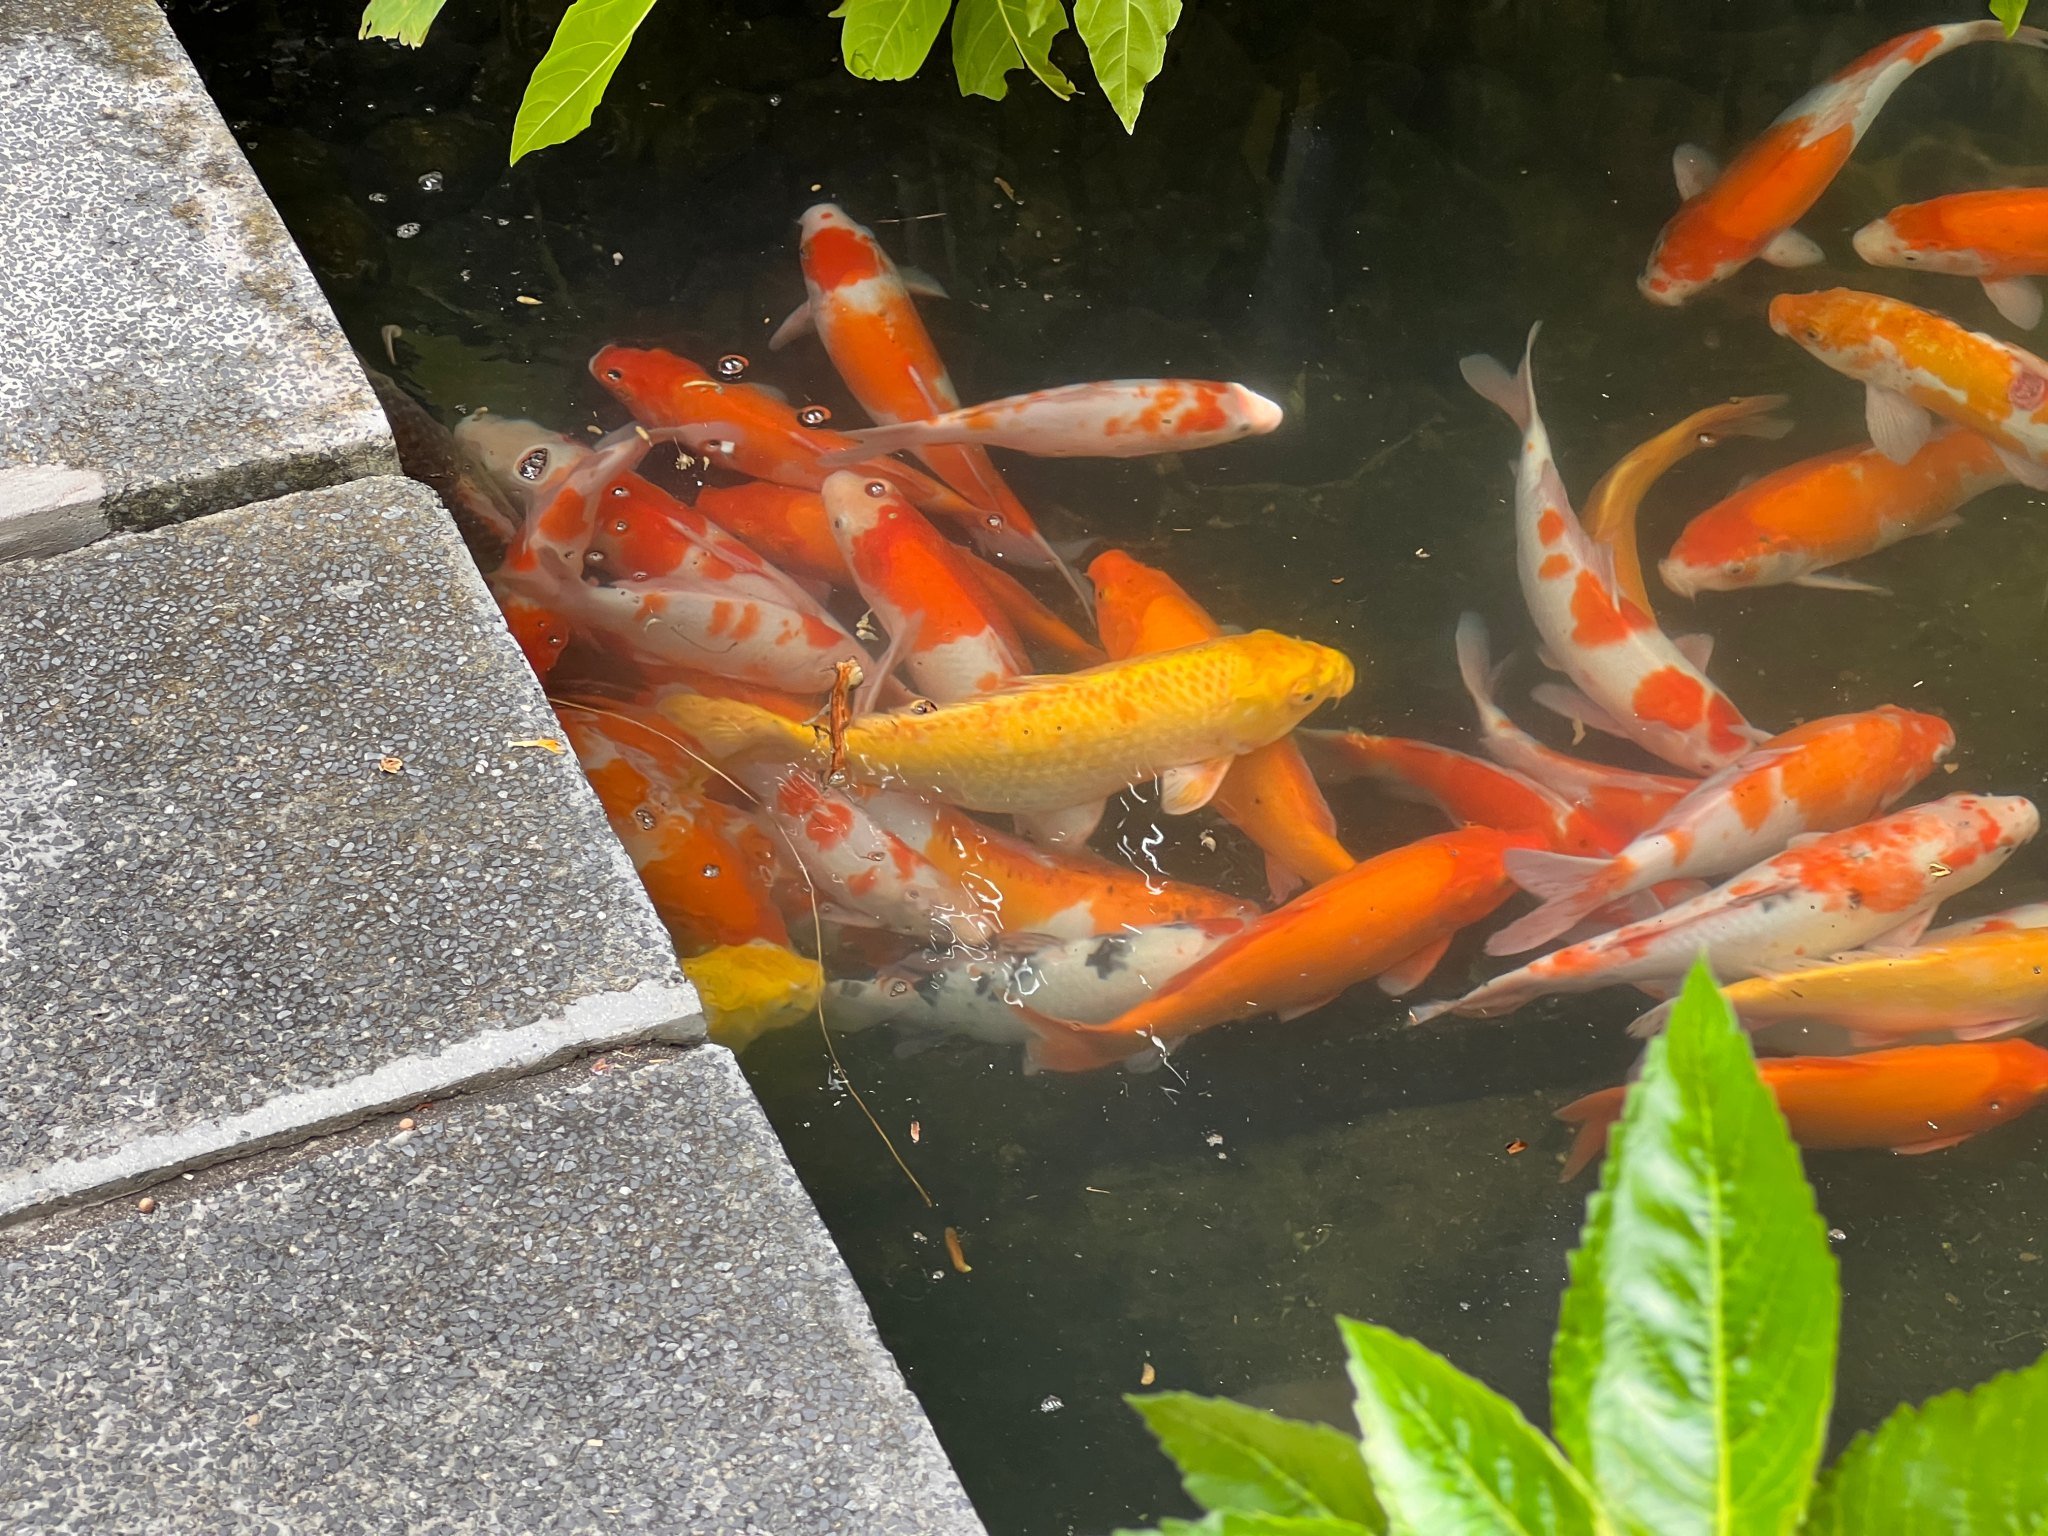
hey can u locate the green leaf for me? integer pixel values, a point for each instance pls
(888, 39)
(1238, 1523)
(1449, 1456)
(1127, 43)
(1964, 1461)
(571, 77)
(1695, 1350)
(401, 21)
(2011, 12)
(993, 37)
(1244, 1459)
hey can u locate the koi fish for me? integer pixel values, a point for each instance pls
(2033, 914)
(428, 452)
(1841, 890)
(1632, 680)
(1268, 794)
(1116, 419)
(861, 307)
(1049, 749)
(1621, 798)
(1974, 988)
(1911, 363)
(1022, 888)
(1789, 526)
(708, 869)
(857, 871)
(1818, 777)
(1730, 218)
(1917, 1098)
(1089, 979)
(1469, 790)
(1390, 917)
(1611, 506)
(1999, 237)
(948, 639)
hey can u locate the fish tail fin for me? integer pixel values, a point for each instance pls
(1513, 393)
(1423, 1013)
(1555, 876)
(729, 728)
(2030, 37)
(874, 442)
(1594, 1115)
(1476, 666)
(1651, 1022)
(1751, 416)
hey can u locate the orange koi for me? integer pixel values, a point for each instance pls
(785, 522)
(1999, 237)
(1268, 794)
(1917, 1098)
(1789, 526)
(1730, 218)
(1114, 419)
(1390, 917)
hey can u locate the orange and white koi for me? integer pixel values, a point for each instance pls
(1730, 218)
(1268, 794)
(1841, 890)
(1818, 777)
(1611, 506)
(861, 307)
(1390, 917)
(1917, 1098)
(1621, 798)
(1068, 893)
(952, 643)
(1972, 988)
(1088, 980)
(1114, 419)
(1790, 525)
(1912, 363)
(1632, 680)
(1049, 749)
(1999, 237)
(2033, 914)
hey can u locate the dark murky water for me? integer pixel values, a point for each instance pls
(1332, 202)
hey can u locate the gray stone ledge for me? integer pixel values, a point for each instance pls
(157, 324)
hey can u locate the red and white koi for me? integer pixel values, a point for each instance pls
(1999, 237)
(1116, 419)
(1730, 218)
(951, 642)
(1912, 362)
(1841, 890)
(1818, 777)
(2033, 914)
(1633, 681)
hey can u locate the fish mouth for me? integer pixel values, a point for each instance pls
(1876, 244)
(1260, 414)
(1679, 578)
(1661, 288)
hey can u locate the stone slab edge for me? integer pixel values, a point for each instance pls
(652, 1010)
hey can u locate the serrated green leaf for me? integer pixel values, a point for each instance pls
(993, 37)
(888, 39)
(401, 21)
(1245, 1460)
(1127, 44)
(2011, 12)
(571, 77)
(1964, 1461)
(1695, 1351)
(1451, 1457)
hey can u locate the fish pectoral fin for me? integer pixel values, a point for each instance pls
(1996, 1027)
(919, 281)
(1696, 649)
(2016, 299)
(1648, 1024)
(1574, 705)
(800, 323)
(1301, 1010)
(1897, 426)
(1823, 582)
(1280, 880)
(1942, 1145)
(1908, 933)
(1792, 249)
(1694, 170)
(2029, 472)
(1406, 975)
(1548, 657)
(1192, 786)
(1071, 826)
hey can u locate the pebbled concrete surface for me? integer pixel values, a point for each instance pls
(156, 322)
(596, 1301)
(272, 852)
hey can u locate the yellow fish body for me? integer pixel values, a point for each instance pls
(1063, 743)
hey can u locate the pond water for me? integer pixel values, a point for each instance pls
(1331, 201)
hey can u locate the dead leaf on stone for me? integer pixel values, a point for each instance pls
(545, 743)
(390, 764)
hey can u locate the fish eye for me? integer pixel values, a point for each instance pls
(613, 374)
(877, 488)
(1813, 333)
(533, 465)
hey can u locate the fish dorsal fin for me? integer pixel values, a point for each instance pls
(1192, 785)
(2016, 299)
(1897, 426)
(800, 323)
(1792, 249)
(1694, 170)
(1698, 650)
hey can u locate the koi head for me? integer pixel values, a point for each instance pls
(1139, 608)
(1834, 324)
(2022, 1077)
(1924, 740)
(857, 505)
(1254, 411)
(1721, 551)
(1915, 236)
(649, 381)
(523, 458)
(1660, 285)
(1285, 676)
(836, 251)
